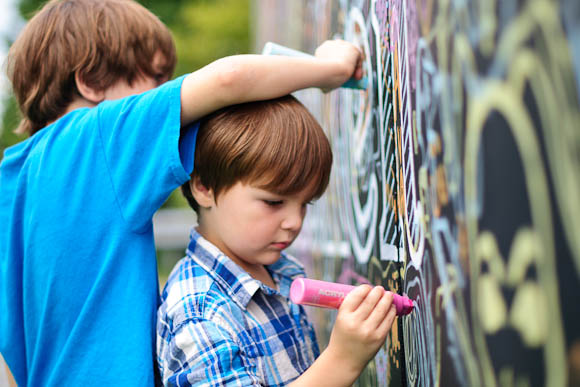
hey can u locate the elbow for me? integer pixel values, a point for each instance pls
(231, 76)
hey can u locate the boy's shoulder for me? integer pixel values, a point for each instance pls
(204, 285)
(187, 282)
(70, 127)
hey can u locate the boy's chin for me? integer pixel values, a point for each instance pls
(270, 257)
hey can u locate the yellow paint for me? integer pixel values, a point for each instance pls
(529, 314)
(442, 194)
(492, 311)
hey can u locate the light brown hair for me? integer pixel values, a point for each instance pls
(104, 41)
(275, 145)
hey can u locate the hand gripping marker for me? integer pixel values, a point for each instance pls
(276, 49)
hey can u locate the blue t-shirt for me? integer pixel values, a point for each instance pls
(78, 273)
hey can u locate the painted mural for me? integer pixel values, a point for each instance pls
(456, 181)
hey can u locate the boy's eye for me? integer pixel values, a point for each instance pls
(273, 203)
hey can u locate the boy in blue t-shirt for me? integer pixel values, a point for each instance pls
(226, 317)
(110, 139)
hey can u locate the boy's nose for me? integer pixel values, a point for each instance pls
(293, 220)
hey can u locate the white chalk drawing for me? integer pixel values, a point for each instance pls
(456, 181)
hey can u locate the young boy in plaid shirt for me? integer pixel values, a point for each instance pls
(226, 317)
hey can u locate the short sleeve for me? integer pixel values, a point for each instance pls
(202, 353)
(140, 139)
(187, 146)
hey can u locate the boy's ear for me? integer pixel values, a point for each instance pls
(203, 196)
(87, 92)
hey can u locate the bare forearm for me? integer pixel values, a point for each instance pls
(328, 370)
(261, 77)
(245, 78)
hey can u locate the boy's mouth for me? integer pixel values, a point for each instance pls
(280, 245)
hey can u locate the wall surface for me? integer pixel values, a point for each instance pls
(456, 181)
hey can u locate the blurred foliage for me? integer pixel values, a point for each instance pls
(204, 30)
(9, 122)
(208, 30)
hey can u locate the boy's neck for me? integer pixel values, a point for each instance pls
(78, 103)
(74, 105)
(263, 275)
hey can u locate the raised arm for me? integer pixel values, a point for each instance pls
(243, 78)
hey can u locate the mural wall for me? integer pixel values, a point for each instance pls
(456, 181)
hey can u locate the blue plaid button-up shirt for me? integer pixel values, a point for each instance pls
(217, 326)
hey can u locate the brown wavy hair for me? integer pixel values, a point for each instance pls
(275, 145)
(104, 41)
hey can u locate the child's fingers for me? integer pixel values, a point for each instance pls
(369, 303)
(358, 72)
(385, 325)
(379, 313)
(355, 298)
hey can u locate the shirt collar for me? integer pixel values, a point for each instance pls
(235, 281)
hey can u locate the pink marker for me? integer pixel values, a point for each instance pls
(306, 291)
